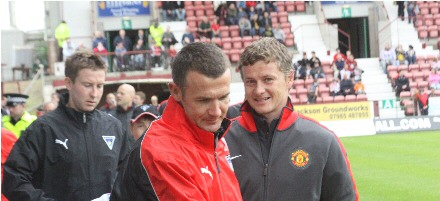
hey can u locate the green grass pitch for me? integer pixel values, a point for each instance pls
(396, 167)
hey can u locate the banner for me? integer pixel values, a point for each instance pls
(123, 8)
(419, 123)
(336, 111)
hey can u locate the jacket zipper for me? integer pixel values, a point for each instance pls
(217, 163)
(87, 152)
(266, 166)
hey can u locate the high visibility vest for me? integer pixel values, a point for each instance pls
(62, 33)
(21, 125)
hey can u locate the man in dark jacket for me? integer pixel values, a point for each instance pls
(125, 105)
(278, 154)
(126, 41)
(73, 152)
(347, 86)
(402, 84)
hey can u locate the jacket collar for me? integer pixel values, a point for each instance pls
(288, 117)
(73, 114)
(173, 116)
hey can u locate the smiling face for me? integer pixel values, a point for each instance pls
(204, 99)
(266, 88)
(86, 90)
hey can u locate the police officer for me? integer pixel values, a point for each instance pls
(18, 119)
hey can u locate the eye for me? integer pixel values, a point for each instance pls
(268, 80)
(250, 82)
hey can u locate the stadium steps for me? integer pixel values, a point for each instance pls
(307, 34)
(378, 87)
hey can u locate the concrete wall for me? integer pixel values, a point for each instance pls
(334, 11)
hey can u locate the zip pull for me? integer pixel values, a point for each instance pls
(84, 117)
(266, 166)
(215, 151)
(216, 162)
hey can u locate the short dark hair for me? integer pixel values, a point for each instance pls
(203, 58)
(267, 49)
(83, 59)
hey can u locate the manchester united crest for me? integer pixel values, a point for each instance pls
(300, 158)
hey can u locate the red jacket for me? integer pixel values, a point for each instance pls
(8, 141)
(176, 160)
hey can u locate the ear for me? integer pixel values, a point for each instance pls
(176, 91)
(290, 78)
(69, 83)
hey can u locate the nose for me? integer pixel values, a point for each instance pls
(259, 89)
(94, 92)
(215, 109)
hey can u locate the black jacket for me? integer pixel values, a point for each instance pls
(123, 116)
(66, 155)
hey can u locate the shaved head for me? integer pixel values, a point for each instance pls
(125, 95)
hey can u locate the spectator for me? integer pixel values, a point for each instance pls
(255, 27)
(18, 119)
(252, 12)
(317, 71)
(345, 71)
(434, 79)
(188, 37)
(279, 34)
(411, 9)
(308, 71)
(335, 88)
(168, 10)
(172, 55)
(283, 155)
(245, 25)
(242, 5)
(411, 55)
(435, 64)
(232, 18)
(242, 13)
(141, 35)
(265, 22)
(301, 71)
(400, 9)
(205, 29)
(99, 38)
(126, 42)
(402, 84)
(121, 56)
(69, 48)
(101, 51)
(387, 57)
(338, 66)
(422, 100)
(180, 11)
(125, 105)
(352, 64)
(62, 33)
(139, 57)
(215, 26)
(347, 86)
(141, 120)
(139, 98)
(222, 13)
(314, 59)
(184, 155)
(268, 31)
(357, 72)
(73, 152)
(271, 6)
(168, 40)
(5, 110)
(359, 87)
(154, 104)
(157, 32)
(110, 103)
(156, 54)
(313, 91)
(8, 141)
(337, 54)
(401, 56)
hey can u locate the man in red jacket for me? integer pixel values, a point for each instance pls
(8, 141)
(183, 155)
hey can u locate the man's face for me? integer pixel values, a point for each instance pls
(137, 100)
(123, 96)
(16, 111)
(110, 99)
(266, 88)
(205, 100)
(140, 126)
(86, 92)
(122, 33)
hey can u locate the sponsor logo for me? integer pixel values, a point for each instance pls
(57, 141)
(205, 170)
(229, 159)
(300, 158)
(403, 124)
(110, 141)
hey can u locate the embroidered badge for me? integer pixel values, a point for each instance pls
(109, 140)
(300, 158)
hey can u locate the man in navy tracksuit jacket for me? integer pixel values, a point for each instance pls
(278, 154)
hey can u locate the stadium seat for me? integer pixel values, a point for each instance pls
(303, 99)
(300, 6)
(189, 10)
(235, 55)
(319, 100)
(433, 31)
(324, 91)
(422, 84)
(299, 83)
(234, 30)
(224, 31)
(292, 92)
(300, 91)
(287, 27)
(425, 66)
(227, 43)
(217, 41)
(402, 67)
(283, 17)
(434, 9)
(429, 20)
(409, 111)
(308, 83)
(350, 98)
(237, 43)
(200, 9)
(290, 6)
(247, 40)
(327, 99)
(255, 38)
(424, 10)
(339, 99)
(290, 40)
(418, 76)
(361, 97)
(209, 3)
(274, 20)
(414, 67)
(209, 10)
(405, 94)
(191, 21)
(391, 68)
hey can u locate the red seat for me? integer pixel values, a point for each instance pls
(308, 83)
(192, 21)
(189, 10)
(433, 31)
(234, 30)
(429, 20)
(283, 17)
(235, 55)
(350, 98)
(247, 40)
(290, 40)
(187, 3)
(414, 67)
(209, 3)
(300, 6)
(255, 38)
(324, 91)
(290, 8)
(209, 10)
(339, 99)
(292, 92)
(402, 68)
(237, 43)
(405, 94)
(198, 2)
(424, 10)
(425, 66)
(418, 76)
(409, 111)
(361, 97)
(224, 31)
(287, 27)
(301, 91)
(299, 83)
(327, 99)
(422, 84)
(217, 41)
(392, 68)
(227, 43)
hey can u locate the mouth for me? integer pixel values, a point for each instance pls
(261, 100)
